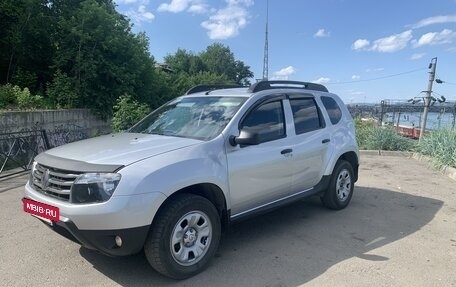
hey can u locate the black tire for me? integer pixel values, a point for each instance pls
(340, 190)
(178, 217)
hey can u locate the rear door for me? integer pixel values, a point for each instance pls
(310, 144)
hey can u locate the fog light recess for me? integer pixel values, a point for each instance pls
(118, 241)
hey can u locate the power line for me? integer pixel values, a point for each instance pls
(379, 78)
(440, 81)
(448, 83)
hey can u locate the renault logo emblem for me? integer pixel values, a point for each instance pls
(45, 179)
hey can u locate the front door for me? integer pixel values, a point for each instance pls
(260, 174)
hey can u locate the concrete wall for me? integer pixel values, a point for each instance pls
(53, 120)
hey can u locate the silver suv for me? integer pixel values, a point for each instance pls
(176, 179)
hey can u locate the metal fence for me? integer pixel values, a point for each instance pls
(397, 113)
(17, 149)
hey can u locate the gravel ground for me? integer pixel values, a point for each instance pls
(399, 230)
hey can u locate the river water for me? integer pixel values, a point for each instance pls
(434, 120)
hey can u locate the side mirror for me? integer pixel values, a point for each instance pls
(245, 138)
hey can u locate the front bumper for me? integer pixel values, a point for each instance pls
(104, 240)
(96, 225)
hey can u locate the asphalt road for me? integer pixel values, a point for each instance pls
(399, 230)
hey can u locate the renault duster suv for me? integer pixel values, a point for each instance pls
(175, 180)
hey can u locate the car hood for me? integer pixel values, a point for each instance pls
(120, 149)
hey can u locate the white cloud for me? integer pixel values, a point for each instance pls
(177, 6)
(322, 80)
(360, 44)
(442, 19)
(388, 44)
(417, 56)
(141, 14)
(436, 38)
(284, 73)
(227, 22)
(145, 15)
(356, 77)
(199, 8)
(321, 33)
(392, 43)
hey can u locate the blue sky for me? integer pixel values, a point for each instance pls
(365, 51)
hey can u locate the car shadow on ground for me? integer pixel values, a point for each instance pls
(292, 245)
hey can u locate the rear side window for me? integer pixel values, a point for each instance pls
(306, 115)
(267, 120)
(333, 109)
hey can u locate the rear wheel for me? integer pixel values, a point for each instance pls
(184, 236)
(340, 188)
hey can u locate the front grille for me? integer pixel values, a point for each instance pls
(53, 182)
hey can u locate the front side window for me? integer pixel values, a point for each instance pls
(267, 121)
(193, 117)
(306, 115)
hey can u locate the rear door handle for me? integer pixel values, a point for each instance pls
(325, 141)
(285, 151)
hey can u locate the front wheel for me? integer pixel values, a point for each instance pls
(184, 236)
(340, 188)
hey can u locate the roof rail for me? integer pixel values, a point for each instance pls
(267, 85)
(203, 88)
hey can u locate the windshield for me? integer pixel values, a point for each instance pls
(193, 117)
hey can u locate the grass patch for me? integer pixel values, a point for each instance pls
(372, 137)
(440, 145)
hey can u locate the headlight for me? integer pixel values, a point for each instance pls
(94, 187)
(32, 171)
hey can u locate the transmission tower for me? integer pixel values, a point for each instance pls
(266, 49)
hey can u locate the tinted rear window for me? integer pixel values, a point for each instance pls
(333, 109)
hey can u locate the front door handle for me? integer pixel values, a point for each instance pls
(325, 141)
(285, 151)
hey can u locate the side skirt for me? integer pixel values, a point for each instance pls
(321, 187)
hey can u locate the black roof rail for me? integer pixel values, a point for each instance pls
(203, 88)
(267, 85)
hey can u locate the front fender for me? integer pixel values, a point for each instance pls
(173, 171)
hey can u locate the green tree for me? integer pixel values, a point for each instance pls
(61, 92)
(102, 57)
(25, 46)
(219, 59)
(182, 82)
(184, 61)
(127, 112)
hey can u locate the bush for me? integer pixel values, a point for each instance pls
(386, 138)
(440, 145)
(61, 91)
(372, 137)
(7, 97)
(14, 97)
(127, 112)
(25, 100)
(363, 130)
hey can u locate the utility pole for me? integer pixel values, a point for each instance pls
(266, 52)
(427, 98)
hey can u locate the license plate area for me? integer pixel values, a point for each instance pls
(41, 210)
